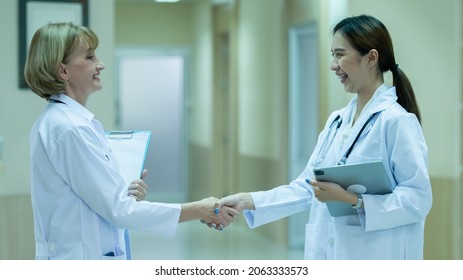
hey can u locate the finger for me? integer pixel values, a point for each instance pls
(223, 222)
(135, 182)
(143, 184)
(209, 225)
(143, 190)
(136, 194)
(312, 181)
(222, 202)
(227, 218)
(140, 186)
(228, 200)
(316, 191)
(231, 211)
(144, 173)
(216, 208)
(135, 185)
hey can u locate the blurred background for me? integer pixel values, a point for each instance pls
(235, 93)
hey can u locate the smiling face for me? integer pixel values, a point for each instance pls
(351, 67)
(81, 72)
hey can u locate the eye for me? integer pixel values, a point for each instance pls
(337, 55)
(91, 55)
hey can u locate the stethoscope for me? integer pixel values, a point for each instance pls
(331, 135)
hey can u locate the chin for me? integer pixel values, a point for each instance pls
(98, 87)
(348, 89)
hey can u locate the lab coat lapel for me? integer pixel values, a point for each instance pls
(382, 98)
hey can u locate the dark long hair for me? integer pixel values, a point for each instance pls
(365, 32)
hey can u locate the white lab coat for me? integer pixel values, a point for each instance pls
(390, 226)
(79, 199)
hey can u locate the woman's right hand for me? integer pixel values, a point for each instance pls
(215, 216)
(208, 211)
(232, 205)
(239, 201)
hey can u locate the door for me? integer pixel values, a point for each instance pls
(151, 87)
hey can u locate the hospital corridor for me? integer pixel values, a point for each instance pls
(235, 94)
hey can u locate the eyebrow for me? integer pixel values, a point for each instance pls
(339, 50)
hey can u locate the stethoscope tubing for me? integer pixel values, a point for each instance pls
(324, 149)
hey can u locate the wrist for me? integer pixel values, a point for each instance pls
(195, 210)
(353, 198)
(188, 211)
(359, 201)
(247, 201)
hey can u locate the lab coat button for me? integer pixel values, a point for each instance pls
(51, 247)
(331, 242)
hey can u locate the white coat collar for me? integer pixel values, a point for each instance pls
(382, 98)
(81, 110)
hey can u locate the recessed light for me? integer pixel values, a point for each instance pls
(167, 1)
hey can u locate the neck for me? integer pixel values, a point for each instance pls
(80, 98)
(364, 96)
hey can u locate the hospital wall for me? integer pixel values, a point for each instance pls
(428, 48)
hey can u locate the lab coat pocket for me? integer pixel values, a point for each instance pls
(353, 243)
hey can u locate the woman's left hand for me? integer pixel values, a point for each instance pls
(138, 188)
(328, 191)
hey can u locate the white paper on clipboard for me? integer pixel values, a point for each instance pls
(130, 149)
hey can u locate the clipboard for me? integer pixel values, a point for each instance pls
(369, 178)
(130, 149)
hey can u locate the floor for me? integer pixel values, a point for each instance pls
(195, 241)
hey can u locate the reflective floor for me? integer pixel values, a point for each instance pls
(194, 241)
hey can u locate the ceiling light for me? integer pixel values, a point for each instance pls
(167, 1)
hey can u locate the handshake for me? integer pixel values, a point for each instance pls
(219, 213)
(215, 213)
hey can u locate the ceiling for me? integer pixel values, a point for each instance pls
(215, 2)
(143, 1)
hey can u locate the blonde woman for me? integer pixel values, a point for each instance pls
(80, 202)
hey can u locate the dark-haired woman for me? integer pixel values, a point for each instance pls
(389, 226)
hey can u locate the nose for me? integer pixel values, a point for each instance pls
(334, 64)
(100, 65)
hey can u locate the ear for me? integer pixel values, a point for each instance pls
(373, 57)
(63, 72)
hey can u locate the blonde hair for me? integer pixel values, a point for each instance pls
(51, 45)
